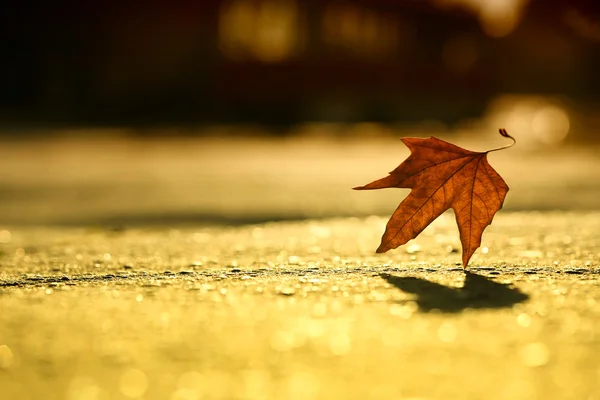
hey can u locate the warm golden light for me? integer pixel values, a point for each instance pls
(497, 18)
(535, 120)
(358, 30)
(551, 124)
(236, 20)
(348, 20)
(268, 30)
(277, 32)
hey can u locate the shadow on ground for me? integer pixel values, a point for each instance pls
(478, 292)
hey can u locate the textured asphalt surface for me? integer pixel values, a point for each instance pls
(301, 310)
(110, 293)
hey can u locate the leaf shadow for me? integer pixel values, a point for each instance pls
(478, 292)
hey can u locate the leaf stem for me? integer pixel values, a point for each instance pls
(506, 135)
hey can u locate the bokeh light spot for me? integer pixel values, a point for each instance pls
(447, 332)
(5, 236)
(6, 357)
(133, 383)
(551, 124)
(535, 354)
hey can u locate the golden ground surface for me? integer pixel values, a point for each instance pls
(302, 310)
(170, 182)
(144, 269)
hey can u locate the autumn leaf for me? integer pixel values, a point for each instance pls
(442, 176)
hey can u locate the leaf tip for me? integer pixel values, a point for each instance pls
(381, 249)
(465, 260)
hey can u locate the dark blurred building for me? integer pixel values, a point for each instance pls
(283, 61)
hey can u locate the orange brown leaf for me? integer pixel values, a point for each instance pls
(442, 176)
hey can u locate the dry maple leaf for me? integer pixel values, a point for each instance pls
(442, 176)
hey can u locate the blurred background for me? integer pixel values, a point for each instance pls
(249, 110)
